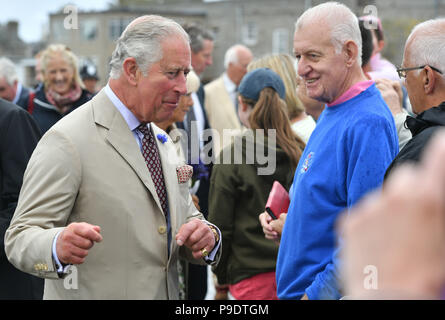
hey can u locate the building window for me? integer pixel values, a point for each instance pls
(280, 41)
(58, 31)
(250, 33)
(89, 29)
(117, 26)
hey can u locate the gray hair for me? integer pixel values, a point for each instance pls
(7, 71)
(197, 36)
(141, 40)
(427, 44)
(342, 21)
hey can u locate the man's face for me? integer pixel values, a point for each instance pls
(7, 91)
(322, 70)
(159, 91)
(238, 70)
(202, 59)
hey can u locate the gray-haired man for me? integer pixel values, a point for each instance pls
(105, 174)
(11, 88)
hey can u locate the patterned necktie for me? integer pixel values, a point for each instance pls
(153, 161)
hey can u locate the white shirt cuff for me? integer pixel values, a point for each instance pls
(60, 268)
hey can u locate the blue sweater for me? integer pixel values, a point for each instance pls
(345, 158)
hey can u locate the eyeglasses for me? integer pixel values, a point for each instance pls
(402, 71)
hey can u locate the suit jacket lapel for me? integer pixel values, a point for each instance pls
(121, 138)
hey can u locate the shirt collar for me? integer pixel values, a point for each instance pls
(229, 84)
(18, 92)
(352, 92)
(128, 116)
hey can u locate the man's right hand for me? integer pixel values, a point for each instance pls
(75, 240)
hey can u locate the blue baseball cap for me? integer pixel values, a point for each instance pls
(256, 80)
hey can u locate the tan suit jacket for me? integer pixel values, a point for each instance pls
(220, 111)
(89, 168)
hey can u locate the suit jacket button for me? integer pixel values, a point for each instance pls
(162, 229)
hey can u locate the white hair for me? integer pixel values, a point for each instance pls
(142, 40)
(7, 71)
(427, 44)
(231, 55)
(342, 21)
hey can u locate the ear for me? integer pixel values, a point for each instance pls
(429, 80)
(351, 52)
(241, 105)
(131, 71)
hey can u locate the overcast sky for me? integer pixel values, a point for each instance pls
(32, 15)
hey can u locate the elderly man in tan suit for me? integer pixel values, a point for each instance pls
(105, 175)
(221, 94)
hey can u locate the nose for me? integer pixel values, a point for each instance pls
(303, 68)
(59, 75)
(181, 87)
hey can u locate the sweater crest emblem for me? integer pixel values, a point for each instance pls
(307, 162)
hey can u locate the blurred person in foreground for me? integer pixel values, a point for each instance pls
(238, 191)
(105, 195)
(62, 90)
(394, 240)
(346, 157)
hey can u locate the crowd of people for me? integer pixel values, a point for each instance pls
(155, 186)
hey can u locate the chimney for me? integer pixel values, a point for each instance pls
(12, 28)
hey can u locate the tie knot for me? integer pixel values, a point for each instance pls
(143, 129)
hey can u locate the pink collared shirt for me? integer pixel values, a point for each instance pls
(352, 92)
